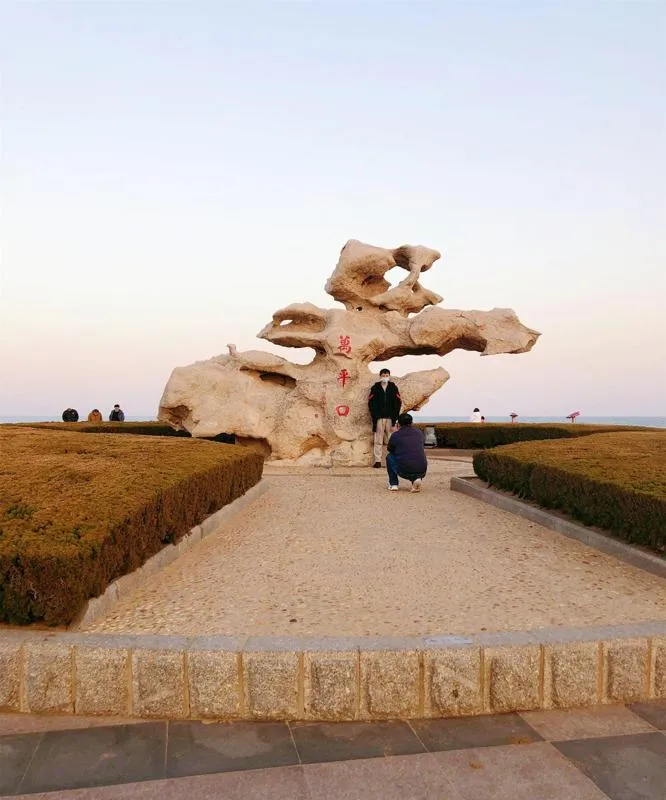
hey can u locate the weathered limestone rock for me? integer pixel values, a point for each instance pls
(317, 413)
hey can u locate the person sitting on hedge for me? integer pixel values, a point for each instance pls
(476, 416)
(406, 456)
(117, 415)
(95, 415)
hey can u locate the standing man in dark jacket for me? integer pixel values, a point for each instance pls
(384, 403)
(406, 455)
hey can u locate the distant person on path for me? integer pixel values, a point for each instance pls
(95, 415)
(406, 455)
(70, 415)
(384, 403)
(476, 416)
(117, 415)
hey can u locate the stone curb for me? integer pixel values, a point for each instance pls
(100, 606)
(476, 488)
(343, 678)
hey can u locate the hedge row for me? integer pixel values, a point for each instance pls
(136, 428)
(479, 436)
(616, 481)
(77, 511)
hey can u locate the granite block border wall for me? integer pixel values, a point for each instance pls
(279, 678)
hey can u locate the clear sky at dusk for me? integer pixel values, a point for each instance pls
(171, 173)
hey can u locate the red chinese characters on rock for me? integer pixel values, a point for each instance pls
(343, 377)
(345, 344)
(342, 411)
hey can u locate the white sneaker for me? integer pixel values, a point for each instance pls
(392, 488)
(416, 485)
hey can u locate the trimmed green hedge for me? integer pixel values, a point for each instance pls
(136, 428)
(615, 481)
(479, 436)
(78, 511)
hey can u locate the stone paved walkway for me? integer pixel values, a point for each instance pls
(333, 553)
(616, 753)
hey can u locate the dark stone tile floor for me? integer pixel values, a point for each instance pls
(511, 755)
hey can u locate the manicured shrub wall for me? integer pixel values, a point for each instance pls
(478, 436)
(615, 481)
(136, 428)
(78, 511)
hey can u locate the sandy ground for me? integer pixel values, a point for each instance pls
(334, 553)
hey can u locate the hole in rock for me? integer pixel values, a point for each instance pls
(395, 275)
(260, 445)
(174, 415)
(372, 280)
(307, 323)
(312, 442)
(278, 379)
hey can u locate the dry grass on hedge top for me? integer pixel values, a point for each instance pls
(62, 489)
(636, 461)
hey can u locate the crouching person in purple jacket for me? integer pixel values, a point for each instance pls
(406, 455)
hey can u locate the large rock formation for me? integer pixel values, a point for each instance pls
(317, 413)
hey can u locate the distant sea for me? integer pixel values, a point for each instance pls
(648, 422)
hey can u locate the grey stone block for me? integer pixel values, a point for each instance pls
(149, 641)
(505, 639)
(48, 677)
(214, 683)
(102, 681)
(512, 678)
(274, 644)
(10, 674)
(158, 684)
(626, 666)
(271, 684)
(231, 644)
(572, 675)
(453, 682)
(390, 684)
(385, 644)
(331, 689)
(329, 644)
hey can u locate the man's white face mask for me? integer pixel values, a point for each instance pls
(384, 379)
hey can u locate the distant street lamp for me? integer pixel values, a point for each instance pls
(513, 416)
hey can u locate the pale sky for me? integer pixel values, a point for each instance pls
(173, 172)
